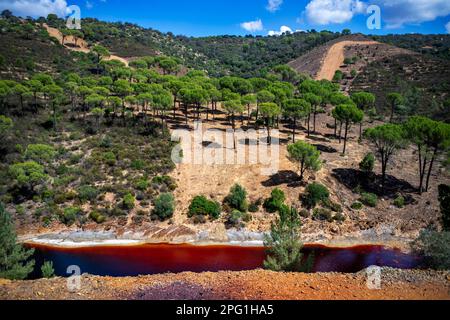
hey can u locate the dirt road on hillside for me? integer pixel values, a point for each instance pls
(335, 58)
(78, 45)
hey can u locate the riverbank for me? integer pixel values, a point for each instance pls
(77, 239)
(252, 285)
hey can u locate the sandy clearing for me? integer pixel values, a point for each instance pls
(79, 45)
(335, 58)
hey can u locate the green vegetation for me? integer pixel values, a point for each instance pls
(284, 245)
(369, 199)
(367, 164)
(276, 200)
(306, 156)
(164, 206)
(201, 206)
(47, 270)
(14, 263)
(347, 115)
(387, 139)
(314, 194)
(237, 198)
(435, 246)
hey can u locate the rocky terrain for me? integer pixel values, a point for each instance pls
(251, 285)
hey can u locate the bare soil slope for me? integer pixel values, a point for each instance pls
(78, 45)
(251, 285)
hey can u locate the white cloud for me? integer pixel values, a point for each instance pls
(253, 26)
(283, 30)
(274, 5)
(324, 12)
(447, 27)
(35, 8)
(397, 13)
(89, 5)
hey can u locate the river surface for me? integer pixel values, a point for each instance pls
(161, 258)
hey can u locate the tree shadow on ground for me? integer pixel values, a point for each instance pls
(325, 149)
(352, 179)
(288, 177)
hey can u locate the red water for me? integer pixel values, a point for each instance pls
(161, 258)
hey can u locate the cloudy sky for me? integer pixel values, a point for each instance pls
(259, 17)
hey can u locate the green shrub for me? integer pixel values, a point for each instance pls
(357, 205)
(117, 212)
(367, 164)
(70, 215)
(97, 217)
(109, 158)
(40, 153)
(87, 193)
(276, 200)
(200, 206)
(333, 206)
(339, 217)
(164, 206)
(47, 270)
(304, 213)
(369, 199)
(142, 184)
(322, 214)
(199, 219)
(254, 206)
(314, 194)
(435, 246)
(237, 219)
(399, 202)
(128, 202)
(138, 164)
(237, 198)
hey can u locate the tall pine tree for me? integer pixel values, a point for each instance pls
(14, 263)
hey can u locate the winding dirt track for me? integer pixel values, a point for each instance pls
(79, 45)
(335, 58)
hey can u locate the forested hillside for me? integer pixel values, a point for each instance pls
(434, 45)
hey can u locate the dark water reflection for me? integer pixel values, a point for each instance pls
(161, 258)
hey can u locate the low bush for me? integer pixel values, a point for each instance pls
(47, 270)
(164, 206)
(255, 205)
(399, 202)
(237, 198)
(128, 202)
(367, 164)
(369, 199)
(357, 205)
(97, 217)
(142, 184)
(333, 206)
(314, 194)
(70, 215)
(237, 219)
(435, 247)
(304, 213)
(200, 206)
(87, 193)
(276, 200)
(339, 217)
(109, 158)
(322, 214)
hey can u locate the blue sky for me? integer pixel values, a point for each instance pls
(259, 17)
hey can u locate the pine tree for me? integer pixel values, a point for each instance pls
(283, 242)
(14, 262)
